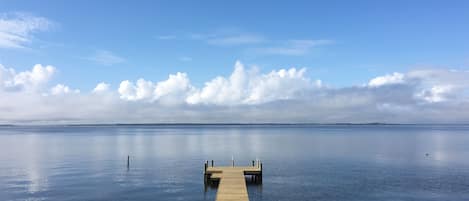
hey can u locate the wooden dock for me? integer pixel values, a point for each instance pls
(231, 180)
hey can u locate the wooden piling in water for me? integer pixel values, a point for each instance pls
(128, 161)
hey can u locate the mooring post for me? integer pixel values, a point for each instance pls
(212, 163)
(252, 163)
(128, 161)
(205, 172)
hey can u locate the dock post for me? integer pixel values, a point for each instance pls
(260, 178)
(212, 163)
(232, 162)
(252, 163)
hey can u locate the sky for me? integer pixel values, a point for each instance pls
(234, 62)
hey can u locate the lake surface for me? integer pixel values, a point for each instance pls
(302, 162)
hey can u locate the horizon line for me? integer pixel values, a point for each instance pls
(230, 124)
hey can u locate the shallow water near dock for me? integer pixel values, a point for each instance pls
(301, 162)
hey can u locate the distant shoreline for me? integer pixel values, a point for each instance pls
(240, 124)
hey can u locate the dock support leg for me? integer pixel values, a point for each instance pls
(260, 178)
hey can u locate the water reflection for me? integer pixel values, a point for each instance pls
(322, 162)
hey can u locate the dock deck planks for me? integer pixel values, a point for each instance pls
(232, 185)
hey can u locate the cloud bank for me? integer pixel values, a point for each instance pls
(245, 96)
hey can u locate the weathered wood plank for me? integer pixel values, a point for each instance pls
(232, 186)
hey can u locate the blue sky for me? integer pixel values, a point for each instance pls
(155, 38)
(344, 44)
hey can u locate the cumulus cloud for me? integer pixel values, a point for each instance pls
(395, 78)
(438, 93)
(243, 87)
(170, 91)
(430, 86)
(26, 80)
(245, 96)
(142, 90)
(61, 89)
(101, 87)
(17, 29)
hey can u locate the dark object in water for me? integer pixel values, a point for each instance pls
(128, 161)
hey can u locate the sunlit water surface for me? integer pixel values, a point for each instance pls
(375, 162)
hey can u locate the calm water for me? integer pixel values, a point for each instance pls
(300, 162)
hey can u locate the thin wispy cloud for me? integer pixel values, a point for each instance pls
(242, 39)
(229, 38)
(17, 29)
(166, 37)
(106, 58)
(185, 59)
(260, 44)
(291, 47)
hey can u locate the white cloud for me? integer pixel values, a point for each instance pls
(241, 87)
(244, 87)
(395, 78)
(106, 58)
(61, 89)
(244, 96)
(101, 87)
(142, 90)
(435, 94)
(26, 80)
(170, 91)
(174, 89)
(17, 29)
(429, 86)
